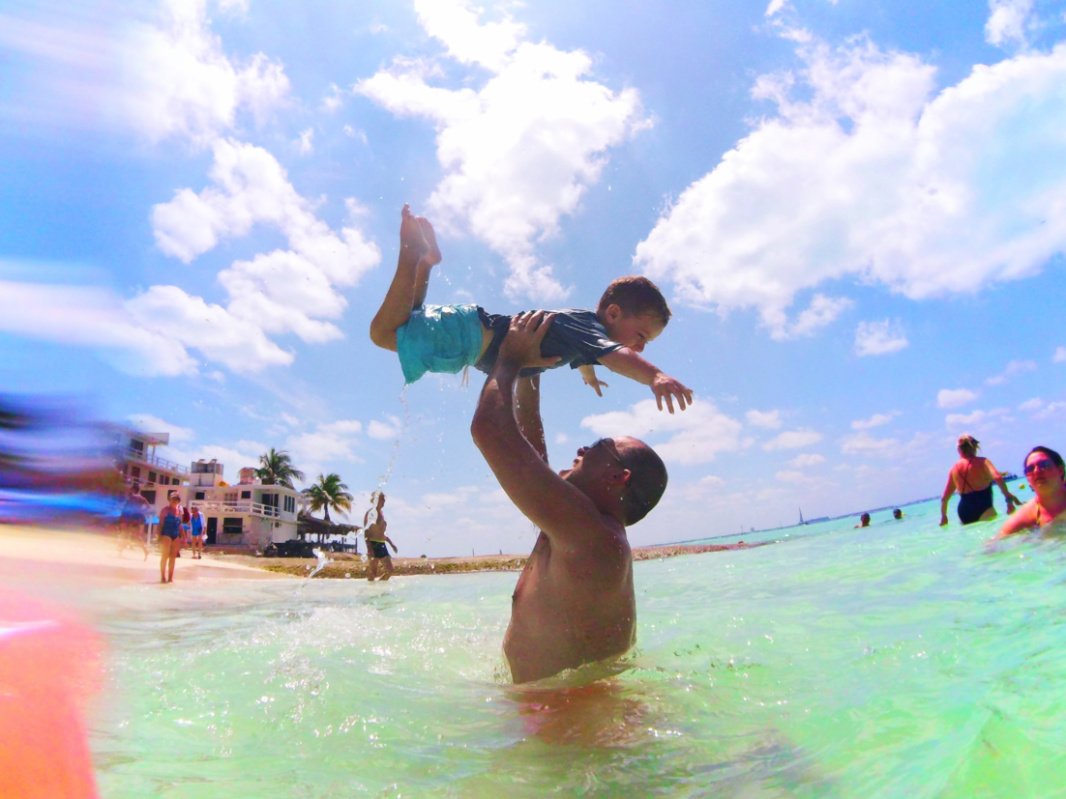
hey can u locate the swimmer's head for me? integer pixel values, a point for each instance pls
(1055, 457)
(968, 445)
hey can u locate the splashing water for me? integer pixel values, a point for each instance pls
(323, 561)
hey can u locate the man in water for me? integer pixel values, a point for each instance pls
(374, 525)
(574, 602)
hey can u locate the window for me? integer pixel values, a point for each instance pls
(246, 495)
(199, 495)
(230, 498)
(152, 477)
(290, 504)
(232, 525)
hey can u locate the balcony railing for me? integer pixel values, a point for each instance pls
(155, 460)
(232, 508)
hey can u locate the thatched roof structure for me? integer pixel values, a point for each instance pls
(308, 525)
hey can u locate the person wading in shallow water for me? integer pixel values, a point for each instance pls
(972, 476)
(377, 552)
(574, 602)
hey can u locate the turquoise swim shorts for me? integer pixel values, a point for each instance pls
(439, 338)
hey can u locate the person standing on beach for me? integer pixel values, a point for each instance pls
(196, 522)
(169, 537)
(972, 476)
(574, 602)
(374, 525)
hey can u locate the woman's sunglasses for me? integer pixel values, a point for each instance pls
(1041, 465)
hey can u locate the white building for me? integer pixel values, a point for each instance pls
(249, 514)
(139, 464)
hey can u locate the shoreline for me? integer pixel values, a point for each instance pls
(52, 553)
(342, 565)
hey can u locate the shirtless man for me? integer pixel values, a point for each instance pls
(374, 525)
(574, 602)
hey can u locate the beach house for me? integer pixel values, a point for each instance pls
(250, 514)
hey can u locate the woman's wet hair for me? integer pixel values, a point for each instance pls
(1055, 457)
(968, 445)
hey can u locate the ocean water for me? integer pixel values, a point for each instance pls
(900, 660)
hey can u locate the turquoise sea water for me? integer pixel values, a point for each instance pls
(900, 660)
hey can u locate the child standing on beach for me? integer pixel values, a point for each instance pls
(446, 338)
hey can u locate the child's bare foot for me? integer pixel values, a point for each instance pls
(412, 240)
(432, 256)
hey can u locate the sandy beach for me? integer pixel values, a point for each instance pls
(52, 553)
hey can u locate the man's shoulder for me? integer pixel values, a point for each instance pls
(603, 543)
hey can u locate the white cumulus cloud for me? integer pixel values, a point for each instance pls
(1008, 22)
(954, 397)
(520, 139)
(294, 290)
(792, 439)
(695, 435)
(866, 170)
(877, 420)
(879, 338)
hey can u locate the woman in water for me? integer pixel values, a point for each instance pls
(1045, 473)
(972, 476)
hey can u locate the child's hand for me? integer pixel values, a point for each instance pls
(596, 384)
(666, 387)
(589, 378)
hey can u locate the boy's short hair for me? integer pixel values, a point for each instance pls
(635, 295)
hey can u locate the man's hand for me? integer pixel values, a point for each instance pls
(521, 345)
(666, 387)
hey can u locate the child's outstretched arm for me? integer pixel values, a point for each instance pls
(588, 375)
(628, 363)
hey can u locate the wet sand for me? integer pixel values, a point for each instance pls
(35, 553)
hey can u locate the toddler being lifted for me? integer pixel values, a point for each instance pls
(446, 338)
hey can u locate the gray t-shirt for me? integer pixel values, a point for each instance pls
(576, 336)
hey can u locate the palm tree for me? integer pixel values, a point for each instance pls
(329, 492)
(275, 468)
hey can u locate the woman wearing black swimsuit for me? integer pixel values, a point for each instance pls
(972, 476)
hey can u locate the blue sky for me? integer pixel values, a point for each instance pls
(856, 209)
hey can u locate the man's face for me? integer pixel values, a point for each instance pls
(595, 459)
(632, 330)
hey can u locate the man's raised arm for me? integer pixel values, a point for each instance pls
(520, 465)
